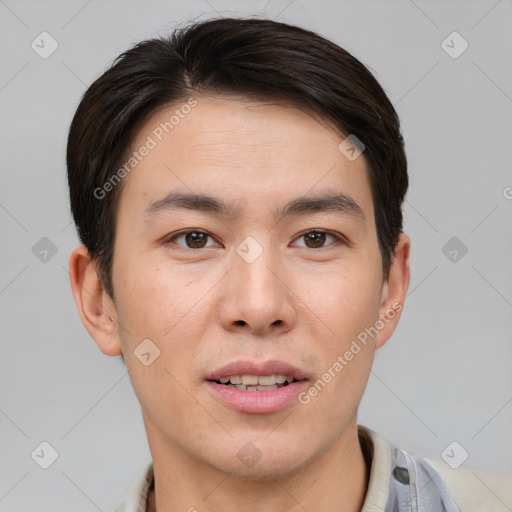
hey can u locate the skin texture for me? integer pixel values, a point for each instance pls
(206, 307)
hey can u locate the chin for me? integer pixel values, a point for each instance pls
(260, 460)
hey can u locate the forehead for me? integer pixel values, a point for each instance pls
(249, 152)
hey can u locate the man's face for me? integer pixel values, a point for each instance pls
(248, 288)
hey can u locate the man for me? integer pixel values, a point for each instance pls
(238, 190)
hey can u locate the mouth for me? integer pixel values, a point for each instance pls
(256, 382)
(257, 388)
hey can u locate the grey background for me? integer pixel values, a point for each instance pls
(444, 376)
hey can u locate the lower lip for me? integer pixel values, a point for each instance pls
(257, 402)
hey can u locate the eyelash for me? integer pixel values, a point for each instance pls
(340, 238)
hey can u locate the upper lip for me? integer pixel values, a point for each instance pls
(257, 368)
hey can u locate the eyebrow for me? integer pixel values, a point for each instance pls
(336, 202)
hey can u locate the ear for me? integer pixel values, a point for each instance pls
(394, 291)
(95, 307)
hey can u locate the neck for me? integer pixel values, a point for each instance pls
(337, 481)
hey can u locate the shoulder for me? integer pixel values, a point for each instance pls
(401, 482)
(476, 490)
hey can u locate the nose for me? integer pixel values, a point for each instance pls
(257, 297)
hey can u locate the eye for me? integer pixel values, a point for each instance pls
(197, 239)
(316, 238)
(194, 239)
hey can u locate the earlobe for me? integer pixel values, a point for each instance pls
(95, 307)
(394, 290)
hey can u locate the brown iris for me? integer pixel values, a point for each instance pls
(195, 239)
(316, 237)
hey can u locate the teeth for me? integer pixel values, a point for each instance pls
(249, 380)
(253, 388)
(255, 380)
(267, 380)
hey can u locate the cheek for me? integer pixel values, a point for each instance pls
(348, 305)
(160, 306)
(347, 300)
(349, 309)
(153, 298)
